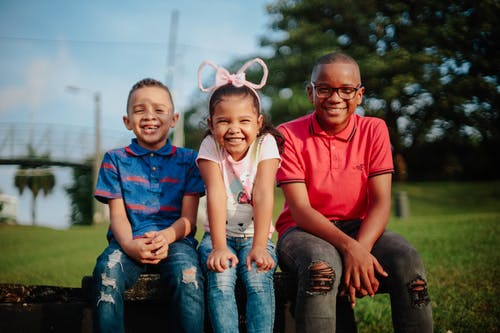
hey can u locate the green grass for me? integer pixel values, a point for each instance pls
(453, 225)
(455, 228)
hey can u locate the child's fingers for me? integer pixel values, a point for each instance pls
(264, 263)
(234, 260)
(352, 296)
(379, 269)
(161, 252)
(249, 263)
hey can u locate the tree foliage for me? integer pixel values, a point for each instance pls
(35, 177)
(81, 196)
(430, 69)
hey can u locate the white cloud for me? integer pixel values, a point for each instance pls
(38, 79)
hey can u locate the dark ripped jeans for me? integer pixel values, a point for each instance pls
(317, 268)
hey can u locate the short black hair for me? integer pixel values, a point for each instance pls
(149, 82)
(332, 57)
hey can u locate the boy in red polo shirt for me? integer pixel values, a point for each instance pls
(336, 175)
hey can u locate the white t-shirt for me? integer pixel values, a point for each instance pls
(239, 177)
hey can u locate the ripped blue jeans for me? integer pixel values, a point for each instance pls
(317, 267)
(115, 272)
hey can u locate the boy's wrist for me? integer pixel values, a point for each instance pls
(169, 235)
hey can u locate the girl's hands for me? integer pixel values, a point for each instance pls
(262, 259)
(218, 260)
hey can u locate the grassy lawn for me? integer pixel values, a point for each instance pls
(453, 225)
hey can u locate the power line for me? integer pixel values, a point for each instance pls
(73, 41)
(111, 43)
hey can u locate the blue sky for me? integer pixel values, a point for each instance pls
(105, 47)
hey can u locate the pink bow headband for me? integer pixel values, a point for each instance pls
(223, 77)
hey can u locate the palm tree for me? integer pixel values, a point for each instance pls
(37, 177)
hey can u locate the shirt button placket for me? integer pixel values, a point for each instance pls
(334, 155)
(155, 179)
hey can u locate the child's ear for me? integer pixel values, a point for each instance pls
(126, 121)
(310, 93)
(175, 118)
(210, 125)
(260, 120)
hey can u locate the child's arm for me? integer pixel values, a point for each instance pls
(377, 217)
(216, 209)
(263, 203)
(186, 223)
(142, 250)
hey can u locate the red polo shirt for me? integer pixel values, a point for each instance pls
(334, 168)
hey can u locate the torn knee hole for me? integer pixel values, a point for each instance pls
(321, 278)
(419, 295)
(189, 276)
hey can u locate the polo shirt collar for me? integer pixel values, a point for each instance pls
(345, 135)
(137, 150)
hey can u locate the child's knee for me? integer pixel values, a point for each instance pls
(191, 276)
(419, 295)
(107, 263)
(322, 278)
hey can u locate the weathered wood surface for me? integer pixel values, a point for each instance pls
(25, 308)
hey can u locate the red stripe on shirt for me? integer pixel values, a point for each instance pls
(136, 207)
(168, 208)
(108, 166)
(136, 179)
(169, 180)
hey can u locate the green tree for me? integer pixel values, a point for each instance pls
(430, 69)
(80, 193)
(36, 177)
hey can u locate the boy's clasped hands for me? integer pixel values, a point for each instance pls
(150, 248)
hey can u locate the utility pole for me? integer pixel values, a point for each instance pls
(97, 207)
(178, 135)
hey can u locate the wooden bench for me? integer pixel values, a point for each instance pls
(59, 309)
(146, 297)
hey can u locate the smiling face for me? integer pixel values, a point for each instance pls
(334, 112)
(150, 115)
(235, 124)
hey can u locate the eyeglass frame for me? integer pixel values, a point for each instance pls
(336, 90)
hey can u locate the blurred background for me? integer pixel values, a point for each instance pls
(63, 64)
(430, 69)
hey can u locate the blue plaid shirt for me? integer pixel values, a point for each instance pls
(151, 183)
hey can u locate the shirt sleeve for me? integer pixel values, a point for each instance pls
(108, 182)
(292, 168)
(194, 182)
(269, 148)
(208, 150)
(381, 153)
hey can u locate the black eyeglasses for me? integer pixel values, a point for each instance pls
(346, 93)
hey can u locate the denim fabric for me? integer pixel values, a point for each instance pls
(259, 286)
(317, 312)
(115, 272)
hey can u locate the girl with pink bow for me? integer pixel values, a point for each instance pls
(238, 160)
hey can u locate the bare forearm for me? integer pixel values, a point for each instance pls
(216, 210)
(372, 228)
(263, 214)
(119, 223)
(379, 208)
(178, 230)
